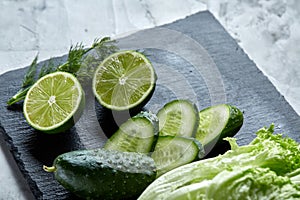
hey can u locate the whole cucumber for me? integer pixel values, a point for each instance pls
(104, 174)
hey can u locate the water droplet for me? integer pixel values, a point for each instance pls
(138, 166)
(119, 167)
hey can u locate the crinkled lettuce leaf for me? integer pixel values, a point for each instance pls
(272, 156)
(240, 183)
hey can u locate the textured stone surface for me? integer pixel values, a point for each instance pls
(268, 31)
(181, 73)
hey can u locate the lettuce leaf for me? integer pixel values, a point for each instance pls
(274, 157)
(240, 183)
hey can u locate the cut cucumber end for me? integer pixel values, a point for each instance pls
(178, 118)
(216, 123)
(171, 152)
(212, 122)
(138, 134)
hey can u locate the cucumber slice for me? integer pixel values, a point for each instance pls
(171, 152)
(217, 122)
(138, 134)
(178, 118)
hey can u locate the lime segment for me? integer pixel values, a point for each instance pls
(52, 102)
(124, 80)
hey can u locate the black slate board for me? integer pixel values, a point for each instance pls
(195, 58)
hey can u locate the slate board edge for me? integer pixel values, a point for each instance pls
(14, 157)
(14, 160)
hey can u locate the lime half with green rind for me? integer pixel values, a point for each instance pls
(54, 103)
(124, 81)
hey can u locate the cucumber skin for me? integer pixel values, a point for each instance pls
(150, 117)
(104, 174)
(233, 125)
(197, 120)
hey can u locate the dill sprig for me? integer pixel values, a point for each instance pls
(47, 68)
(78, 63)
(29, 76)
(28, 81)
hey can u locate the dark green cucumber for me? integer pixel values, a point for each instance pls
(218, 122)
(178, 118)
(104, 174)
(138, 134)
(171, 152)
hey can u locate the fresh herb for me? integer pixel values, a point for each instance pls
(28, 81)
(47, 68)
(102, 49)
(29, 77)
(79, 63)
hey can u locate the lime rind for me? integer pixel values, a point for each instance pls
(59, 122)
(138, 86)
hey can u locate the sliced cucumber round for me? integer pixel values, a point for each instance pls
(217, 122)
(171, 152)
(178, 118)
(138, 134)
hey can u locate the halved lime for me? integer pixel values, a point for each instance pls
(124, 80)
(54, 102)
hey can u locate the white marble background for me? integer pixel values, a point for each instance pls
(267, 30)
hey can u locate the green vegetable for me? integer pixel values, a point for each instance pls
(171, 152)
(275, 154)
(138, 134)
(77, 64)
(178, 118)
(240, 183)
(216, 123)
(104, 174)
